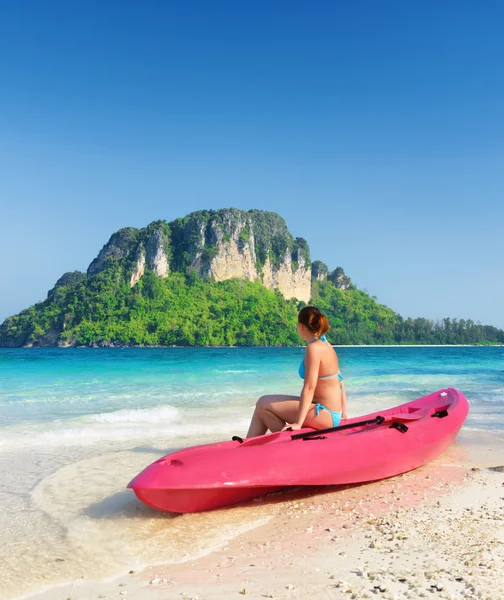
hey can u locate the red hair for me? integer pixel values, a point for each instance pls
(314, 320)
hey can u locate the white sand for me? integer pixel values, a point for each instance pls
(437, 532)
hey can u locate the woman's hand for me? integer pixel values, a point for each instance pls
(292, 426)
(344, 416)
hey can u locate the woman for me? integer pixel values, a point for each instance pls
(322, 402)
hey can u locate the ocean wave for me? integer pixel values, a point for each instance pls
(490, 398)
(140, 396)
(138, 415)
(486, 429)
(118, 433)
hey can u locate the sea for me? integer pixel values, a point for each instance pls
(76, 425)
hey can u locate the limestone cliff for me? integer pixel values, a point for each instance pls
(134, 250)
(253, 245)
(138, 267)
(157, 252)
(225, 244)
(319, 271)
(119, 247)
(292, 282)
(340, 280)
(152, 252)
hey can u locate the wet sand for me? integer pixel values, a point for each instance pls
(434, 532)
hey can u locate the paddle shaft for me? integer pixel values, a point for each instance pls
(377, 420)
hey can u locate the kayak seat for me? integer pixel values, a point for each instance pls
(415, 415)
(260, 440)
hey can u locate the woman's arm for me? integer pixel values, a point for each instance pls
(312, 364)
(344, 411)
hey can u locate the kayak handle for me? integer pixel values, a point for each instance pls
(304, 436)
(440, 414)
(399, 426)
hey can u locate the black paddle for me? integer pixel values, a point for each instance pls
(377, 420)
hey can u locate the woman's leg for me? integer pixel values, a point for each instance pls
(270, 412)
(273, 412)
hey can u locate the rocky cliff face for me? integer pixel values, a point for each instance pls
(254, 245)
(138, 267)
(134, 250)
(225, 244)
(152, 252)
(340, 280)
(234, 254)
(116, 249)
(293, 282)
(319, 271)
(157, 252)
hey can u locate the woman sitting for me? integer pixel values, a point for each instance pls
(322, 403)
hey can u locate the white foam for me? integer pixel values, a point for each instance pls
(136, 397)
(118, 433)
(485, 429)
(491, 398)
(157, 414)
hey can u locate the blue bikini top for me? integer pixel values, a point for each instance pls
(301, 369)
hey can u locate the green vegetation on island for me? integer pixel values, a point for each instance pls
(154, 287)
(357, 318)
(184, 310)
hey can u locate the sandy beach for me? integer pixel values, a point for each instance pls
(225, 220)
(435, 532)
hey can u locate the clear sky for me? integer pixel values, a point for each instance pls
(376, 129)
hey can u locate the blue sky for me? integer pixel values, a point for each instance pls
(376, 129)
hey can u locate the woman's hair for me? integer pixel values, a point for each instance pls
(314, 320)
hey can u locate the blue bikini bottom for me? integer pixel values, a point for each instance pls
(336, 416)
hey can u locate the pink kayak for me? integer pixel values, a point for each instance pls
(366, 448)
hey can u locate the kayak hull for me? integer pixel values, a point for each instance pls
(211, 476)
(185, 501)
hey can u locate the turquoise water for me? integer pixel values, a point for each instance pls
(87, 396)
(77, 424)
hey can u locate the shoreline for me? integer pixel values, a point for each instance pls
(423, 532)
(174, 346)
